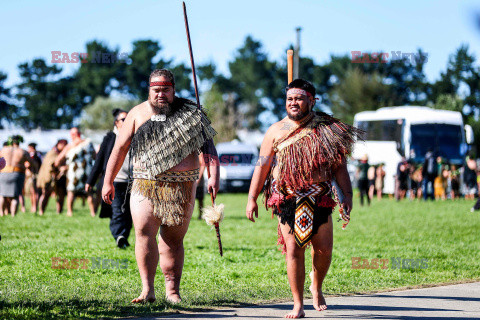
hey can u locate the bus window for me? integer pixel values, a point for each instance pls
(444, 139)
(382, 130)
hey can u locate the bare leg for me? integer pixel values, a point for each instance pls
(295, 259)
(21, 199)
(2, 205)
(33, 199)
(146, 250)
(60, 197)
(322, 244)
(170, 246)
(200, 207)
(43, 201)
(70, 199)
(98, 199)
(371, 191)
(91, 205)
(13, 206)
(6, 206)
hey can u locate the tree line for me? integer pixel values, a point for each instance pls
(250, 96)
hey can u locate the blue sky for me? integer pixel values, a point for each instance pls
(33, 29)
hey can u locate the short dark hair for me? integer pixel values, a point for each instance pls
(33, 145)
(61, 141)
(162, 73)
(302, 84)
(15, 139)
(117, 111)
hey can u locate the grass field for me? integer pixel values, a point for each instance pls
(251, 271)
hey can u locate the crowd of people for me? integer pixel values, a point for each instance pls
(436, 179)
(69, 171)
(61, 172)
(370, 179)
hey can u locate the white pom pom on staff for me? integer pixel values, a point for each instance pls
(213, 215)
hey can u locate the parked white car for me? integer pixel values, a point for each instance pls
(237, 163)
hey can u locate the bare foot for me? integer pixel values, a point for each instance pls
(69, 214)
(92, 214)
(144, 298)
(297, 312)
(319, 302)
(173, 298)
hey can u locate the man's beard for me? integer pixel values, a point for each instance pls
(299, 116)
(160, 107)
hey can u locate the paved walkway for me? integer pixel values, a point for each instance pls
(461, 301)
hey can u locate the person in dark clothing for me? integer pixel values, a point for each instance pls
(362, 178)
(200, 194)
(429, 173)
(31, 176)
(470, 178)
(403, 172)
(119, 211)
(98, 171)
(412, 183)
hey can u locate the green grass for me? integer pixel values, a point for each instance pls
(251, 271)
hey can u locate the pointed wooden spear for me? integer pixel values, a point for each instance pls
(212, 215)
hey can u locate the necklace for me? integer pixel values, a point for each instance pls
(158, 117)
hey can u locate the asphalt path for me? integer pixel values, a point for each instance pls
(459, 301)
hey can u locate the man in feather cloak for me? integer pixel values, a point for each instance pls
(299, 157)
(165, 135)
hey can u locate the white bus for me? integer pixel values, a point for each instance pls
(410, 131)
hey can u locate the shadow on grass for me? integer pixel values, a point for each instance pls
(98, 309)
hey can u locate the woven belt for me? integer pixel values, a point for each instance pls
(167, 176)
(9, 169)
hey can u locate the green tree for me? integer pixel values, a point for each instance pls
(6, 108)
(140, 65)
(358, 92)
(45, 103)
(250, 72)
(222, 114)
(98, 115)
(461, 78)
(459, 88)
(96, 76)
(183, 84)
(449, 102)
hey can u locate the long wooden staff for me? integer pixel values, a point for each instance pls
(207, 164)
(290, 65)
